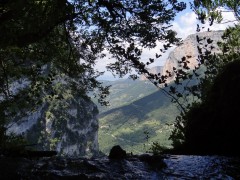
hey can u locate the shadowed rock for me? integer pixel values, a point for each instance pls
(117, 153)
(37, 154)
(18, 152)
(154, 161)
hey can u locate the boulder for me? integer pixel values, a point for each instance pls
(117, 153)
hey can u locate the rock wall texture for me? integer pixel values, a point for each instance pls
(154, 70)
(187, 48)
(68, 126)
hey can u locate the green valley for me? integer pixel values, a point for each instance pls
(139, 115)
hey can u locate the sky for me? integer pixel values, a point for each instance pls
(184, 24)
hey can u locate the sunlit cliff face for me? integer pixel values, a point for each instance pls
(189, 49)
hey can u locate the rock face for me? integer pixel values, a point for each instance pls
(117, 153)
(69, 126)
(154, 70)
(187, 48)
(169, 167)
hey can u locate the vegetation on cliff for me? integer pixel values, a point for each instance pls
(210, 124)
(43, 41)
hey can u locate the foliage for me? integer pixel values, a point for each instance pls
(156, 148)
(213, 125)
(199, 127)
(213, 65)
(51, 42)
(212, 10)
(11, 143)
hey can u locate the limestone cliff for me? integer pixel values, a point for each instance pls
(153, 70)
(68, 125)
(187, 48)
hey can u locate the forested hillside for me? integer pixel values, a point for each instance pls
(139, 113)
(137, 122)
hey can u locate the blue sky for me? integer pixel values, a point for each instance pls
(184, 24)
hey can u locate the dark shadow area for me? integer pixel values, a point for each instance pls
(213, 127)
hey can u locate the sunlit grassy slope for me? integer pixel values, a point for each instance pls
(138, 116)
(125, 91)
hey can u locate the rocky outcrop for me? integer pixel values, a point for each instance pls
(187, 48)
(117, 153)
(149, 167)
(153, 70)
(68, 126)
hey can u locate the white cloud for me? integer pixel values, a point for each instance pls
(103, 62)
(228, 20)
(185, 24)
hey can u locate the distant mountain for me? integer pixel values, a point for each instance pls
(139, 113)
(125, 91)
(189, 48)
(153, 70)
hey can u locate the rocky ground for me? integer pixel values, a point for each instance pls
(132, 167)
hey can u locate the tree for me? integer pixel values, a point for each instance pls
(212, 10)
(213, 125)
(44, 41)
(208, 125)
